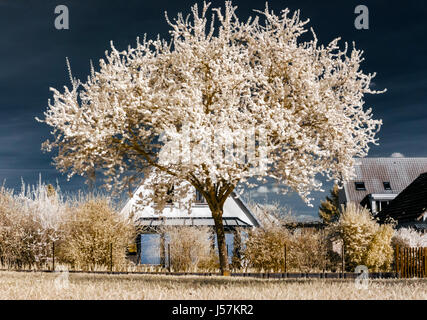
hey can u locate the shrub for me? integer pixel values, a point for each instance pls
(308, 251)
(379, 255)
(32, 220)
(408, 237)
(264, 248)
(190, 248)
(29, 223)
(365, 241)
(92, 226)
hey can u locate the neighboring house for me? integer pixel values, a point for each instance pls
(150, 243)
(379, 180)
(409, 208)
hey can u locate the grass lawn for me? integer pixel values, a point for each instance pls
(34, 285)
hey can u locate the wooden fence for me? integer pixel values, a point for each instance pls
(411, 262)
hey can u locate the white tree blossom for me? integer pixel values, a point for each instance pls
(222, 101)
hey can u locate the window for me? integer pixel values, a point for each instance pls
(360, 185)
(199, 197)
(381, 205)
(169, 195)
(150, 248)
(387, 185)
(229, 243)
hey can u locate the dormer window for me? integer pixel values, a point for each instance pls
(360, 185)
(387, 185)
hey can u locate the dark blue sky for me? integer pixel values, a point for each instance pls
(32, 59)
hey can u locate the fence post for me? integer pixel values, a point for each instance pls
(111, 257)
(324, 252)
(169, 257)
(286, 254)
(406, 262)
(162, 250)
(396, 260)
(402, 263)
(414, 260)
(417, 258)
(227, 256)
(417, 263)
(425, 262)
(342, 260)
(53, 256)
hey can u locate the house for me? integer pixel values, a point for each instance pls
(150, 243)
(409, 208)
(379, 180)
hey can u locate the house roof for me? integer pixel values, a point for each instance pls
(236, 212)
(410, 204)
(400, 172)
(190, 221)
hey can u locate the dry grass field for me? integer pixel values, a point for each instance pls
(39, 286)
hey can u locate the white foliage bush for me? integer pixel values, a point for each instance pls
(408, 237)
(81, 228)
(29, 223)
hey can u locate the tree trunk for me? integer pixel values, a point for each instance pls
(237, 244)
(162, 250)
(220, 236)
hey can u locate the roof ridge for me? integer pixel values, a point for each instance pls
(397, 158)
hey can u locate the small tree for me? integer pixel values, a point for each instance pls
(379, 255)
(329, 210)
(365, 241)
(222, 102)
